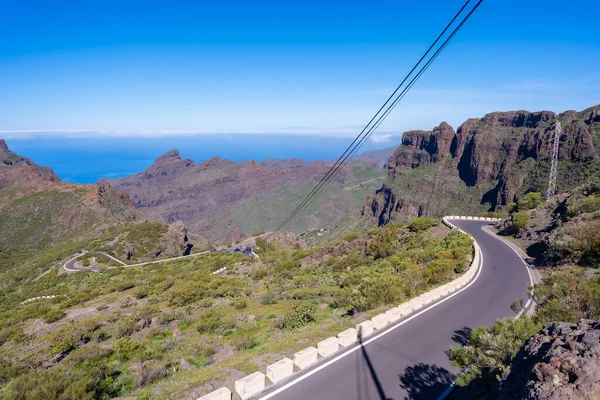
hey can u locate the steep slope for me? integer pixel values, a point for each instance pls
(38, 211)
(487, 163)
(229, 200)
(564, 230)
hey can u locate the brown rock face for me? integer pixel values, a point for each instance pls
(495, 155)
(561, 362)
(420, 148)
(22, 172)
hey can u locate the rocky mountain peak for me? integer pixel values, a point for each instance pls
(171, 155)
(22, 171)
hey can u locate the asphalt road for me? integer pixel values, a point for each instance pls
(72, 267)
(411, 360)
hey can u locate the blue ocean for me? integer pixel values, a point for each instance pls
(85, 160)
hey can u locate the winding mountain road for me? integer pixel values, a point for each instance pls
(410, 360)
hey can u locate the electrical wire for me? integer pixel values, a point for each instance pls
(379, 117)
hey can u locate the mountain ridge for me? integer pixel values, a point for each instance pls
(484, 164)
(229, 200)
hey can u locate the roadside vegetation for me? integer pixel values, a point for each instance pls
(564, 238)
(164, 331)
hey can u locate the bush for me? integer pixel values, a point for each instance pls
(351, 236)
(126, 348)
(123, 327)
(567, 296)
(299, 314)
(244, 339)
(205, 303)
(53, 315)
(268, 298)
(529, 201)
(588, 204)
(383, 243)
(520, 221)
(240, 304)
(489, 351)
(375, 291)
(584, 245)
(422, 224)
(208, 321)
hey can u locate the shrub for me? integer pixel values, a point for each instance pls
(422, 224)
(126, 348)
(520, 221)
(351, 236)
(529, 201)
(299, 314)
(588, 204)
(205, 303)
(123, 327)
(584, 245)
(269, 298)
(53, 315)
(244, 339)
(240, 304)
(383, 243)
(208, 321)
(489, 351)
(375, 291)
(567, 296)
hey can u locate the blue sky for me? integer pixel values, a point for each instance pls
(318, 67)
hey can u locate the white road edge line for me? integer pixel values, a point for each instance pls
(525, 307)
(510, 245)
(357, 347)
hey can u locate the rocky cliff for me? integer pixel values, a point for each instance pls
(485, 164)
(561, 362)
(22, 172)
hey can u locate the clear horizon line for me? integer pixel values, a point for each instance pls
(16, 134)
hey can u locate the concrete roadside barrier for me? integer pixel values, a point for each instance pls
(364, 329)
(404, 309)
(416, 304)
(426, 298)
(347, 337)
(280, 370)
(219, 394)
(380, 321)
(250, 385)
(328, 346)
(305, 358)
(394, 314)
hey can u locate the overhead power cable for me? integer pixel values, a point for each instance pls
(385, 110)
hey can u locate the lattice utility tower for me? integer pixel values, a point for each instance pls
(552, 183)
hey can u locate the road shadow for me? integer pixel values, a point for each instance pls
(425, 382)
(462, 336)
(371, 373)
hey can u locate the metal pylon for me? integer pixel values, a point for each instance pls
(553, 168)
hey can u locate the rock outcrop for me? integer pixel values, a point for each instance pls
(22, 172)
(562, 361)
(488, 160)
